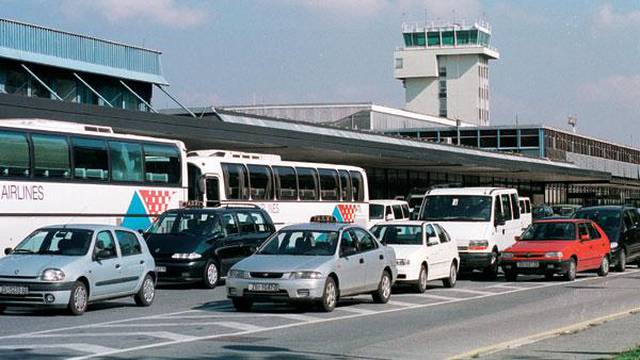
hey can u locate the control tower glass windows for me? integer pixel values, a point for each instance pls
(407, 39)
(447, 38)
(473, 36)
(462, 37)
(418, 39)
(484, 39)
(433, 38)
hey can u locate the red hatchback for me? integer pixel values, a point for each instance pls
(562, 246)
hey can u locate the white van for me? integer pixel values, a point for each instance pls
(387, 210)
(525, 212)
(483, 220)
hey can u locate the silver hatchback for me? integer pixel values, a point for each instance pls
(314, 263)
(73, 265)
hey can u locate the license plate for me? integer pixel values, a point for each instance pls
(161, 269)
(13, 290)
(528, 264)
(264, 287)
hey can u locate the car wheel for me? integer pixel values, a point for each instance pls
(329, 295)
(382, 295)
(421, 285)
(242, 305)
(622, 261)
(511, 275)
(453, 276)
(78, 299)
(604, 266)
(491, 271)
(147, 292)
(570, 274)
(211, 275)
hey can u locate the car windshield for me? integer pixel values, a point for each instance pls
(398, 234)
(194, 223)
(550, 231)
(608, 220)
(376, 212)
(457, 208)
(301, 242)
(66, 242)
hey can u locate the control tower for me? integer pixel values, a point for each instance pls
(444, 68)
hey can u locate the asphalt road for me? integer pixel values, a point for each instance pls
(191, 323)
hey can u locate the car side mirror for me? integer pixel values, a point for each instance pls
(518, 238)
(584, 237)
(431, 240)
(8, 251)
(102, 254)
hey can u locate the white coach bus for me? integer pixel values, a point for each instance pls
(291, 192)
(54, 172)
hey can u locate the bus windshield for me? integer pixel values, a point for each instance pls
(457, 208)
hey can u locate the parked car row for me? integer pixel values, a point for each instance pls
(315, 263)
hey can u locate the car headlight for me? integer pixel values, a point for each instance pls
(507, 255)
(614, 245)
(305, 275)
(186, 256)
(478, 244)
(553, 254)
(53, 275)
(402, 262)
(238, 274)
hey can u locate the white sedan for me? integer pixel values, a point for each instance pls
(424, 252)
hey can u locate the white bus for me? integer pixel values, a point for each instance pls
(54, 172)
(291, 192)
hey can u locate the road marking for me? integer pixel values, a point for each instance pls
(470, 291)
(400, 303)
(298, 317)
(438, 297)
(80, 347)
(356, 310)
(511, 344)
(240, 326)
(157, 334)
(319, 321)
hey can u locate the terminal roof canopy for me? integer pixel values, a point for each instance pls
(35, 44)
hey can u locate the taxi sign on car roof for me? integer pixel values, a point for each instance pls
(324, 219)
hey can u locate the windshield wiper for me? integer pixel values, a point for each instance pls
(22, 251)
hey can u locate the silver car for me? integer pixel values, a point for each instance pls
(314, 263)
(73, 265)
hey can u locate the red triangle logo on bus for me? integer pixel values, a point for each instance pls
(156, 201)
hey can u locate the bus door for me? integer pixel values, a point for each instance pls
(212, 190)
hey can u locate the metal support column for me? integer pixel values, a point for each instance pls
(92, 89)
(41, 82)
(176, 101)
(138, 96)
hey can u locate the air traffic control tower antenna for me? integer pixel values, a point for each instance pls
(444, 68)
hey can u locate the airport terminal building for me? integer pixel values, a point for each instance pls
(57, 75)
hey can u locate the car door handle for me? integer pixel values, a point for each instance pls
(141, 262)
(361, 260)
(381, 257)
(117, 266)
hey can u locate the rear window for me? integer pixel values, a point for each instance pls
(398, 234)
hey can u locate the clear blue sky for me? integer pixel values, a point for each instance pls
(557, 57)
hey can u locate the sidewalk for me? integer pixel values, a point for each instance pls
(597, 342)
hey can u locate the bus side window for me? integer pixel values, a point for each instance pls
(51, 156)
(329, 186)
(126, 161)
(358, 186)
(14, 154)
(235, 182)
(345, 185)
(90, 159)
(261, 182)
(286, 183)
(162, 164)
(308, 183)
